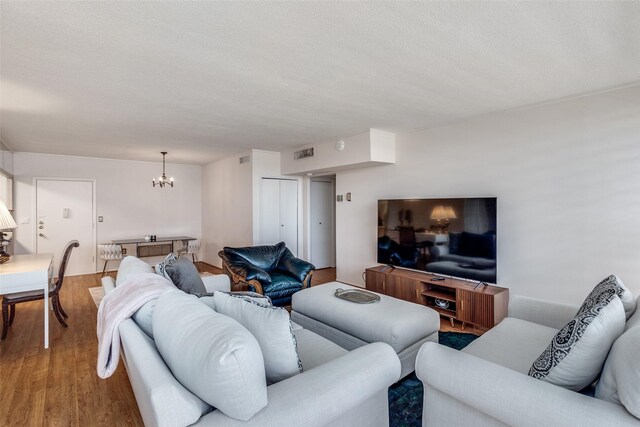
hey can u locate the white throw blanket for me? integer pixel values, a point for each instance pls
(118, 305)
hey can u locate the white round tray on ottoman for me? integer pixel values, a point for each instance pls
(403, 325)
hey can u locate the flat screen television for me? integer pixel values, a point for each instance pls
(452, 237)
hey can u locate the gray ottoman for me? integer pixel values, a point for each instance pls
(403, 325)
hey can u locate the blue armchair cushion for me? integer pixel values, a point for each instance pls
(282, 285)
(242, 267)
(294, 266)
(265, 257)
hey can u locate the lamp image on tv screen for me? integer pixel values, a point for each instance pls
(454, 237)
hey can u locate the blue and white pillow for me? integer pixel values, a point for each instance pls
(161, 268)
(577, 353)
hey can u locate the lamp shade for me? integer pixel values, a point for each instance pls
(443, 212)
(449, 212)
(439, 212)
(6, 220)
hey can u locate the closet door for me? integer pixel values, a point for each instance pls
(289, 214)
(270, 211)
(279, 213)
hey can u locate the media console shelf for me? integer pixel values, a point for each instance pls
(465, 301)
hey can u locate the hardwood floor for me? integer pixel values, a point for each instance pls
(59, 386)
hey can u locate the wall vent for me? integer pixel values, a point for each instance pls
(245, 159)
(302, 154)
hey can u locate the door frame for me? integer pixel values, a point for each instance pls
(34, 213)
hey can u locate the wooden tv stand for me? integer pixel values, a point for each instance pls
(483, 306)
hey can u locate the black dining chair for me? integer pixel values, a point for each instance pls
(9, 301)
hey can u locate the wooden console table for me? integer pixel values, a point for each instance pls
(484, 306)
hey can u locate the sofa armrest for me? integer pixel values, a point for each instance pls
(510, 397)
(551, 314)
(217, 282)
(162, 400)
(325, 393)
(108, 284)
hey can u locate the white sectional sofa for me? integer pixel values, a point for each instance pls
(336, 388)
(486, 384)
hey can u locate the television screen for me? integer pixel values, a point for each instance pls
(453, 237)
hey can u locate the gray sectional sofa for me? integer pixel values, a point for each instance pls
(486, 384)
(336, 388)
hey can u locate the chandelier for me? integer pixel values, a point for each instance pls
(162, 180)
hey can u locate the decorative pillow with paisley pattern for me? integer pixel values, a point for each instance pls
(576, 354)
(604, 289)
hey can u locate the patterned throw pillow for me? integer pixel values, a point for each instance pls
(603, 291)
(161, 268)
(576, 354)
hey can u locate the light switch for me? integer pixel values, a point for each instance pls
(100, 219)
(65, 212)
(348, 197)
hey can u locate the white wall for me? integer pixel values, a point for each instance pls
(131, 207)
(567, 178)
(227, 206)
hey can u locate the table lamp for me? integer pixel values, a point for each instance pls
(6, 223)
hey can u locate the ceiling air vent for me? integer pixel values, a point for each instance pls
(302, 154)
(245, 159)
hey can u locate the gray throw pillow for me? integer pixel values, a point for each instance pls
(185, 276)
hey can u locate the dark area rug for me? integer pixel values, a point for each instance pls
(405, 397)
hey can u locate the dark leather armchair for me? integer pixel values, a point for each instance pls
(268, 270)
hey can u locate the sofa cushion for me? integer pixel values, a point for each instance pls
(265, 257)
(513, 343)
(634, 320)
(211, 354)
(144, 317)
(315, 350)
(602, 292)
(131, 265)
(620, 380)
(576, 354)
(271, 326)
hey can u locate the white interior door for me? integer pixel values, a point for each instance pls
(270, 212)
(64, 212)
(322, 229)
(289, 214)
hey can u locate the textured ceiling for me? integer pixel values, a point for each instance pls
(206, 79)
